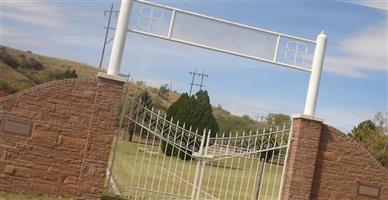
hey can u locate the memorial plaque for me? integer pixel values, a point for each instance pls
(368, 191)
(16, 126)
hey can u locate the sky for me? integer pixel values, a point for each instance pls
(354, 84)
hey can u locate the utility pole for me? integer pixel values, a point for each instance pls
(202, 75)
(107, 32)
(261, 118)
(201, 85)
(192, 80)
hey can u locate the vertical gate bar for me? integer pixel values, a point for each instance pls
(218, 162)
(195, 185)
(144, 148)
(165, 150)
(272, 157)
(278, 161)
(139, 138)
(187, 150)
(223, 172)
(252, 161)
(157, 157)
(191, 157)
(152, 149)
(138, 144)
(258, 164)
(239, 155)
(203, 164)
(231, 167)
(180, 149)
(211, 168)
(265, 159)
(171, 157)
(247, 155)
(289, 143)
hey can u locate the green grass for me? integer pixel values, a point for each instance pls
(153, 174)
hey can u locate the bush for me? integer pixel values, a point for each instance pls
(32, 64)
(163, 90)
(66, 75)
(7, 59)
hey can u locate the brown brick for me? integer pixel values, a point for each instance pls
(49, 162)
(70, 180)
(71, 143)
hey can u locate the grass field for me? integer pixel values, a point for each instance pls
(151, 170)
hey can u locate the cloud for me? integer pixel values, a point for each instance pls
(35, 13)
(383, 5)
(13, 37)
(363, 52)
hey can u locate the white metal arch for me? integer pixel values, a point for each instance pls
(317, 60)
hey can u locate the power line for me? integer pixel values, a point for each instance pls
(202, 75)
(111, 11)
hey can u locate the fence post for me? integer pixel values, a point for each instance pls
(120, 37)
(315, 77)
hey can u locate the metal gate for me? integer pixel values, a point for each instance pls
(154, 158)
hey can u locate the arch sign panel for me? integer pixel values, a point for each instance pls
(220, 35)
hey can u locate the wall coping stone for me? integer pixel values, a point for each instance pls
(112, 77)
(303, 116)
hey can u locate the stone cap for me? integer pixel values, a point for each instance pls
(111, 77)
(303, 116)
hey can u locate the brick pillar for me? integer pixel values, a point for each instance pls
(103, 125)
(301, 162)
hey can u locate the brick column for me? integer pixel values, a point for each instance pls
(103, 125)
(301, 162)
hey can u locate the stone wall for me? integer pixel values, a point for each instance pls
(342, 165)
(325, 164)
(66, 151)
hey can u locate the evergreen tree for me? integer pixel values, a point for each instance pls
(195, 112)
(145, 101)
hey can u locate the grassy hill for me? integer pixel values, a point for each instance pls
(21, 70)
(24, 69)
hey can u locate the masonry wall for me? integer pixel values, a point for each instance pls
(325, 164)
(342, 164)
(73, 122)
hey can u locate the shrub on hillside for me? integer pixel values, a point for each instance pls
(65, 75)
(7, 59)
(31, 63)
(163, 90)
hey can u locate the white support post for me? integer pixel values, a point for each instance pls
(120, 37)
(315, 77)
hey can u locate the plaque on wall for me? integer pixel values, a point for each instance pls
(367, 190)
(20, 127)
